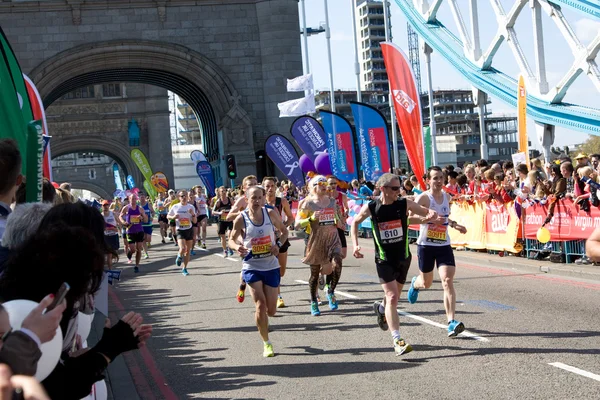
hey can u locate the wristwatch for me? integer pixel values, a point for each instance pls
(278, 243)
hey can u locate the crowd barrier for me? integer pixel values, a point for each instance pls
(497, 227)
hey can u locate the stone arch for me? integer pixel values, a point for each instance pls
(107, 146)
(208, 90)
(92, 187)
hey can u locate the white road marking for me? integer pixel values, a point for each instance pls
(227, 258)
(344, 294)
(433, 323)
(200, 248)
(575, 370)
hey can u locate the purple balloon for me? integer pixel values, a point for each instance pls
(306, 164)
(322, 164)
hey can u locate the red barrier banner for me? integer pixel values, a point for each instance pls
(501, 227)
(568, 223)
(294, 207)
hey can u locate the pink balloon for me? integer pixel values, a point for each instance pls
(356, 208)
(349, 220)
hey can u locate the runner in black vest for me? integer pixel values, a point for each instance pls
(389, 220)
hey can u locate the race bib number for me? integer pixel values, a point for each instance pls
(390, 231)
(184, 223)
(224, 215)
(135, 219)
(261, 247)
(436, 234)
(327, 217)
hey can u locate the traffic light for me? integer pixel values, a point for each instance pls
(231, 167)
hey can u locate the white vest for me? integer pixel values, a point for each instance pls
(259, 239)
(432, 234)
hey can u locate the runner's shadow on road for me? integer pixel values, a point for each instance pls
(544, 335)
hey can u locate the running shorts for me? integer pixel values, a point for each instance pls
(112, 241)
(172, 223)
(270, 278)
(185, 234)
(202, 217)
(224, 226)
(392, 270)
(430, 256)
(163, 218)
(147, 229)
(137, 237)
(342, 236)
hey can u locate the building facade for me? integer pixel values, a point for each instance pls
(370, 31)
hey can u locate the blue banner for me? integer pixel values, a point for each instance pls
(205, 172)
(117, 175)
(372, 134)
(310, 136)
(282, 152)
(130, 182)
(340, 146)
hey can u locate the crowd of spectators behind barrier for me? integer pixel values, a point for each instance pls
(43, 245)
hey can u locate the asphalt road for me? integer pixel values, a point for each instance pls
(524, 331)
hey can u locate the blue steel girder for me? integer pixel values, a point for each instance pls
(495, 82)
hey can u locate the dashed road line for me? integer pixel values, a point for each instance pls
(433, 323)
(576, 370)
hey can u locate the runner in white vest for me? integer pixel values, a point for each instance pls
(260, 268)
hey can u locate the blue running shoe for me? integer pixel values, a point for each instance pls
(333, 305)
(192, 252)
(413, 294)
(314, 309)
(455, 327)
(136, 269)
(184, 272)
(178, 261)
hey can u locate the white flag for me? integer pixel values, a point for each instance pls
(297, 107)
(300, 84)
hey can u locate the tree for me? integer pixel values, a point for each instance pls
(590, 146)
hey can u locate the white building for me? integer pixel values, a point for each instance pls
(370, 26)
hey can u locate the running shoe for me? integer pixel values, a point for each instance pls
(333, 305)
(184, 272)
(413, 294)
(314, 309)
(381, 321)
(192, 252)
(136, 269)
(225, 253)
(401, 347)
(163, 241)
(321, 282)
(241, 294)
(146, 256)
(203, 246)
(149, 244)
(230, 252)
(178, 260)
(268, 351)
(129, 261)
(455, 327)
(280, 303)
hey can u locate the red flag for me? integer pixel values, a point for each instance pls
(407, 105)
(37, 106)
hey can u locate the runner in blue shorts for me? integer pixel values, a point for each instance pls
(434, 250)
(255, 229)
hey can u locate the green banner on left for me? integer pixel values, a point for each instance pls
(35, 157)
(142, 163)
(150, 190)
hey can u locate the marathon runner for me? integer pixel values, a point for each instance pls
(282, 206)
(111, 231)
(169, 203)
(324, 249)
(433, 247)
(342, 201)
(147, 226)
(202, 207)
(192, 202)
(256, 227)
(163, 222)
(132, 216)
(184, 215)
(221, 209)
(389, 222)
(123, 228)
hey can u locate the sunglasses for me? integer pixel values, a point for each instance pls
(394, 188)
(321, 183)
(183, 196)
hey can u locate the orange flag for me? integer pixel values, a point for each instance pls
(522, 119)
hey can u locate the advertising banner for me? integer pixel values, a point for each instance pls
(522, 119)
(150, 191)
(372, 134)
(205, 172)
(35, 155)
(37, 107)
(407, 105)
(117, 176)
(340, 146)
(130, 182)
(568, 223)
(283, 154)
(310, 136)
(142, 163)
(160, 182)
(501, 227)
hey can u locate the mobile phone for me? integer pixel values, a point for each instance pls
(60, 296)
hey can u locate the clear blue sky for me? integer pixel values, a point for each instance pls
(582, 92)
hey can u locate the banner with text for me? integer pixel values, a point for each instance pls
(568, 223)
(372, 134)
(142, 163)
(205, 173)
(340, 146)
(310, 136)
(117, 176)
(283, 154)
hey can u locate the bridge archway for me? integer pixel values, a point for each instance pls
(92, 187)
(208, 90)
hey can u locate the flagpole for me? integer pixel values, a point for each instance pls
(388, 38)
(305, 39)
(356, 65)
(328, 36)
